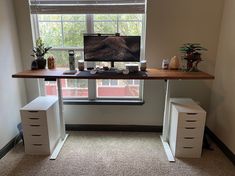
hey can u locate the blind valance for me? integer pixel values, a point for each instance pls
(87, 6)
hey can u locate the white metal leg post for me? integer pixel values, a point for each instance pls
(63, 135)
(166, 122)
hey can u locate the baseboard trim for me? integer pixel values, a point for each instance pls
(131, 128)
(9, 146)
(221, 145)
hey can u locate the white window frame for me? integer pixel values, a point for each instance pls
(92, 87)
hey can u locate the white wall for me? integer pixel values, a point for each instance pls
(170, 23)
(26, 44)
(222, 110)
(12, 91)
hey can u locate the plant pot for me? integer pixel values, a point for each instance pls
(192, 66)
(41, 62)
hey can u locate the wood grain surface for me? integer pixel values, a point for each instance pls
(151, 74)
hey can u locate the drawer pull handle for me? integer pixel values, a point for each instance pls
(35, 125)
(188, 137)
(34, 118)
(33, 111)
(37, 144)
(36, 135)
(190, 113)
(187, 147)
(191, 121)
(190, 128)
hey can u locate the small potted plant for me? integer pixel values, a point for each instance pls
(38, 52)
(192, 54)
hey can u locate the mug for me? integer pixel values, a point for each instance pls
(81, 65)
(143, 65)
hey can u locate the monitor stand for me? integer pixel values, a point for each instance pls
(112, 65)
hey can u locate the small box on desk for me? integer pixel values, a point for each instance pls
(132, 67)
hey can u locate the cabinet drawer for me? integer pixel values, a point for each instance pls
(189, 142)
(190, 132)
(33, 117)
(37, 149)
(188, 152)
(191, 119)
(32, 114)
(34, 121)
(34, 138)
(34, 129)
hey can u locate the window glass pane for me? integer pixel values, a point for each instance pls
(49, 17)
(117, 89)
(73, 34)
(62, 57)
(136, 82)
(130, 28)
(105, 27)
(113, 82)
(70, 88)
(50, 33)
(81, 18)
(105, 17)
(131, 17)
(75, 88)
(50, 88)
(106, 24)
(130, 81)
(105, 82)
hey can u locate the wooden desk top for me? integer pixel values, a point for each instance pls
(157, 74)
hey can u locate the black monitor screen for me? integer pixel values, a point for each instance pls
(112, 48)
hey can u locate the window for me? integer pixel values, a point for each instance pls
(65, 31)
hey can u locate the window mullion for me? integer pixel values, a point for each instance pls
(62, 30)
(91, 82)
(142, 54)
(118, 30)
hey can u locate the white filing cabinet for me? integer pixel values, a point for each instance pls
(187, 122)
(40, 122)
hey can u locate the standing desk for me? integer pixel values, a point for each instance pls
(151, 74)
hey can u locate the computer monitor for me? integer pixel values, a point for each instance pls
(112, 48)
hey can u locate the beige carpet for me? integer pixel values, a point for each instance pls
(114, 153)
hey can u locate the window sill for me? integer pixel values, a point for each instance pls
(102, 102)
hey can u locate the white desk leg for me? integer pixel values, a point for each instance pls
(63, 135)
(166, 122)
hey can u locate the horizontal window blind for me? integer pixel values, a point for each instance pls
(87, 6)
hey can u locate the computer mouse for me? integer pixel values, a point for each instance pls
(93, 72)
(125, 71)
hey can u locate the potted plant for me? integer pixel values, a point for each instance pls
(192, 54)
(38, 52)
